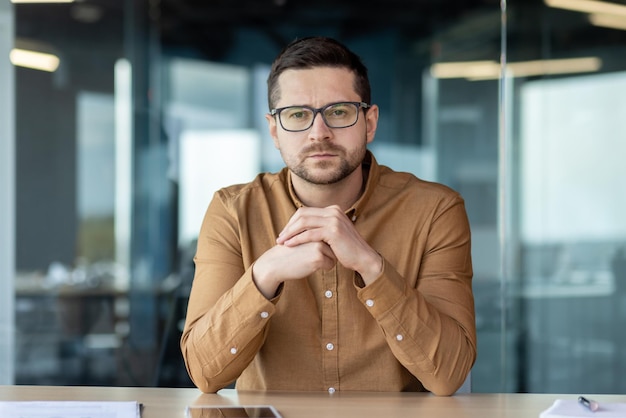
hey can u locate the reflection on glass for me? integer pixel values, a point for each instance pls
(570, 228)
(123, 162)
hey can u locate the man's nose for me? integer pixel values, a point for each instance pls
(319, 130)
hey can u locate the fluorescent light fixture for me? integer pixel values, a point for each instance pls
(608, 21)
(557, 66)
(489, 70)
(469, 69)
(589, 6)
(35, 60)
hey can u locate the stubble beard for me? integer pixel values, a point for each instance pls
(327, 172)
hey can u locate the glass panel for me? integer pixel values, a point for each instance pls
(568, 132)
(462, 126)
(71, 304)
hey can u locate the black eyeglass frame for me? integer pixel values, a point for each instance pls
(320, 110)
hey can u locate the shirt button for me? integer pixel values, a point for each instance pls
(233, 350)
(399, 337)
(331, 390)
(328, 294)
(369, 302)
(330, 346)
(264, 315)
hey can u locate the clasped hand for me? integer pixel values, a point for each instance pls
(314, 239)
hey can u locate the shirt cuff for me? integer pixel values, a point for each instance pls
(383, 293)
(249, 298)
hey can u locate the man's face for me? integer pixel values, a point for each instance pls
(322, 155)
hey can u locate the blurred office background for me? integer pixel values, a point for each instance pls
(111, 148)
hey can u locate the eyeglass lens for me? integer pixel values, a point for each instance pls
(336, 115)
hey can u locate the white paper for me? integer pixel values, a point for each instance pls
(69, 409)
(569, 408)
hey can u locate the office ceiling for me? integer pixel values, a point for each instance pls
(192, 21)
(207, 29)
(208, 26)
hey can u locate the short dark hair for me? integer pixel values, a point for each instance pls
(317, 51)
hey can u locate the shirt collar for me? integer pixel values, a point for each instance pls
(371, 171)
(292, 193)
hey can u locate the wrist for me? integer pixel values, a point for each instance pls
(264, 282)
(372, 269)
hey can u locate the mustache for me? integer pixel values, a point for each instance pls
(321, 148)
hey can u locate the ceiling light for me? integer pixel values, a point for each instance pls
(489, 70)
(608, 21)
(469, 69)
(589, 6)
(86, 13)
(34, 60)
(557, 66)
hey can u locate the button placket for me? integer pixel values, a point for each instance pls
(330, 327)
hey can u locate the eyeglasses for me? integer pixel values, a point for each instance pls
(335, 115)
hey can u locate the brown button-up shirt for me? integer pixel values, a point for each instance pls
(412, 329)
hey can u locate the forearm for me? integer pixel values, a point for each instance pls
(209, 378)
(221, 339)
(432, 337)
(438, 349)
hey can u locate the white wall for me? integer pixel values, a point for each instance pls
(7, 191)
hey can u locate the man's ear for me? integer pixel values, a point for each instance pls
(371, 122)
(271, 122)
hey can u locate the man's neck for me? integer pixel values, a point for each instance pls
(343, 193)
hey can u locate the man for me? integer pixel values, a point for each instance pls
(335, 273)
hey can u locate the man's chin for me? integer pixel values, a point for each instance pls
(320, 176)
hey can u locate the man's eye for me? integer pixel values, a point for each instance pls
(296, 113)
(337, 111)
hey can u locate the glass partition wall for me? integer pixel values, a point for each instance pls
(567, 69)
(154, 105)
(93, 257)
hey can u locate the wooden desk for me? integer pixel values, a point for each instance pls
(171, 403)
